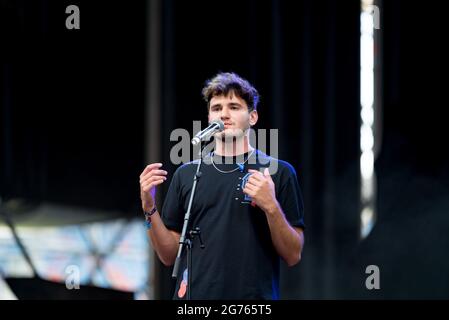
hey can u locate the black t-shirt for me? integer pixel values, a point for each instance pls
(239, 260)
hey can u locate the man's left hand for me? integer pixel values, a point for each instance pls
(260, 187)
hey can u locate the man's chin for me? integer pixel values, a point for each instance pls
(229, 134)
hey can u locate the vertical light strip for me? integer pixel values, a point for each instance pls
(153, 113)
(368, 19)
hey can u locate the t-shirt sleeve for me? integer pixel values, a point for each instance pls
(290, 198)
(172, 210)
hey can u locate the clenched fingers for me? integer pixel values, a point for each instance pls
(253, 181)
(249, 188)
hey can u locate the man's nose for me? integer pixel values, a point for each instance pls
(224, 113)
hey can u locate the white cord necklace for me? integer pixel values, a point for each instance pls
(239, 165)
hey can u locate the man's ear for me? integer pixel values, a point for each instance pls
(253, 117)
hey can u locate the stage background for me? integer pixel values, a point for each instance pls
(74, 120)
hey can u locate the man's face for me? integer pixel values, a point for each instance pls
(233, 111)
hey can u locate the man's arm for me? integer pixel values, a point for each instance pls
(287, 240)
(164, 241)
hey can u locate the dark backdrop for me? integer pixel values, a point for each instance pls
(72, 103)
(73, 120)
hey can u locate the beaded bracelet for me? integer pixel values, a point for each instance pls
(149, 214)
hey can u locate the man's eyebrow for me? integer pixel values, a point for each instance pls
(229, 104)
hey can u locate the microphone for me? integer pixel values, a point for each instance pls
(214, 127)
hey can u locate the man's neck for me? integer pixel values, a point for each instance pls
(232, 148)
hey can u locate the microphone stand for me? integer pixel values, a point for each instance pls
(188, 242)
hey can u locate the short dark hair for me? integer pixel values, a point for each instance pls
(225, 82)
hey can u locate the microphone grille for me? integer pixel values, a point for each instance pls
(220, 124)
